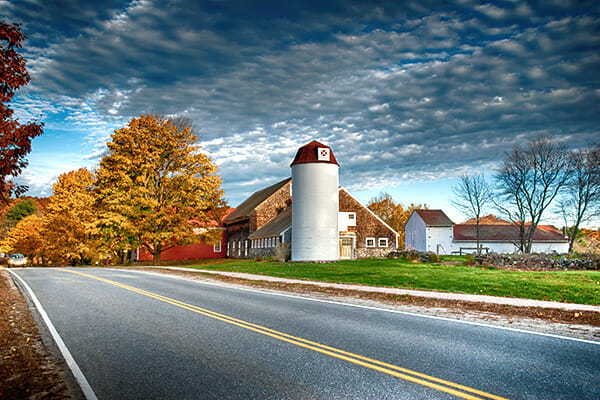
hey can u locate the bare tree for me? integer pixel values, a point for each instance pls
(529, 179)
(472, 195)
(581, 200)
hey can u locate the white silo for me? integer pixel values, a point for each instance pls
(315, 204)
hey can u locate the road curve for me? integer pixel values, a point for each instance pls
(136, 335)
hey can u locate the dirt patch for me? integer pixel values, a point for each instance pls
(28, 369)
(584, 325)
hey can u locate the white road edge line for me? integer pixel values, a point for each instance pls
(506, 328)
(87, 390)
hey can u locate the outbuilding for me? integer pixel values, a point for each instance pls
(432, 230)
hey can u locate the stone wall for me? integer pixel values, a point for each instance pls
(367, 252)
(262, 253)
(271, 207)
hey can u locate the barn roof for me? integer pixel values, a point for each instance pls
(505, 233)
(274, 227)
(309, 154)
(244, 210)
(434, 217)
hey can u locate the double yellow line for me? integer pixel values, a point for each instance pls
(455, 389)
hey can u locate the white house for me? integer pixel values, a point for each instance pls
(429, 230)
(432, 230)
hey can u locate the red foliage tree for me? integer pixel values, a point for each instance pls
(15, 138)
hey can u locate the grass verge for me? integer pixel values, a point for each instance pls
(582, 287)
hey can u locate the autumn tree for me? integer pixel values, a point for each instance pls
(386, 208)
(392, 213)
(472, 196)
(156, 188)
(70, 217)
(581, 200)
(18, 210)
(15, 138)
(528, 180)
(26, 238)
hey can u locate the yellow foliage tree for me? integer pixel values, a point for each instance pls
(393, 214)
(70, 217)
(155, 186)
(26, 238)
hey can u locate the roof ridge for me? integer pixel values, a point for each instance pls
(254, 200)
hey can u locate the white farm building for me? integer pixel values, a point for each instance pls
(432, 230)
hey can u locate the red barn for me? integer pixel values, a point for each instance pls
(191, 252)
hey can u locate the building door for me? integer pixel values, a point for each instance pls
(346, 245)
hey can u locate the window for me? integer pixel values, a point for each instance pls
(217, 247)
(351, 219)
(382, 242)
(370, 242)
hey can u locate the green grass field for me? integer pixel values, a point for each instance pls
(566, 286)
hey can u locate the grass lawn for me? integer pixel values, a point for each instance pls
(566, 286)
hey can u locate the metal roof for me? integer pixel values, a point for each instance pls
(434, 218)
(505, 233)
(309, 154)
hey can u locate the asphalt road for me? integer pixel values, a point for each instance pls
(144, 336)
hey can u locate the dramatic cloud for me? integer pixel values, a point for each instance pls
(402, 91)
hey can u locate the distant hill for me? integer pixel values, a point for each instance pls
(487, 220)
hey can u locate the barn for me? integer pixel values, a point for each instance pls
(311, 213)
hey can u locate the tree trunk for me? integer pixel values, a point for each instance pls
(478, 241)
(572, 238)
(156, 254)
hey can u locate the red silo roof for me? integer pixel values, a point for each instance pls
(309, 153)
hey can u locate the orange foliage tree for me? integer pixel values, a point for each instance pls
(26, 238)
(393, 214)
(15, 138)
(70, 217)
(153, 182)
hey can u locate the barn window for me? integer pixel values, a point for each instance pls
(217, 247)
(370, 242)
(383, 242)
(351, 219)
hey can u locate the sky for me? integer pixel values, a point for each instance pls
(408, 94)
